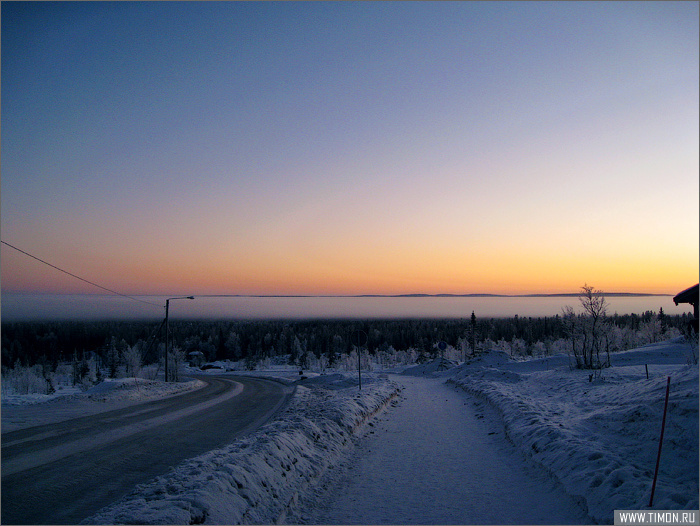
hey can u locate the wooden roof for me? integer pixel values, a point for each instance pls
(689, 295)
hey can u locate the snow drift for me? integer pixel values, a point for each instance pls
(427, 368)
(599, 436)
(258, 479)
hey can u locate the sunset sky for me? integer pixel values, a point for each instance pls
(350, 148)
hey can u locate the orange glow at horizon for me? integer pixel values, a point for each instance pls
(497, 272)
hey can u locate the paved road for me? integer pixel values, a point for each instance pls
(64, 472)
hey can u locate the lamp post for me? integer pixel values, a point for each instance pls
(167, 331)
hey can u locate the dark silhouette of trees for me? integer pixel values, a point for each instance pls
(48, 343)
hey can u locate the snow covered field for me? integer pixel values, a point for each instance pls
(591, 445)
(600, 438)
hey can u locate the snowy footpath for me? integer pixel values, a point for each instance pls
(440, 457)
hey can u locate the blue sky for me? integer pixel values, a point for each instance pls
(392, 147)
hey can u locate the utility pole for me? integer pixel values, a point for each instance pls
(167, 331)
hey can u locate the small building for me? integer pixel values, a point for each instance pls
(689, 295)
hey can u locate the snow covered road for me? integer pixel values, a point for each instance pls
(441, 457)
(62, 472)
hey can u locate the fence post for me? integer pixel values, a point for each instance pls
(661, 440)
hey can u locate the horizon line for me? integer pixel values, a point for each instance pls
(405, 295)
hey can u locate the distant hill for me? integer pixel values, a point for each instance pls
(560, 295)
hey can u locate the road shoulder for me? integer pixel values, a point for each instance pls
(92, 402)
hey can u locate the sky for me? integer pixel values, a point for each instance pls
(350, 148)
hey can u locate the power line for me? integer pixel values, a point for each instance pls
(78, 277)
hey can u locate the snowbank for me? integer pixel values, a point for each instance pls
(138, 389)
(12, 399)
(599, 437)
(21, 411)
(433, 366)
(258, 479)
(109, 390)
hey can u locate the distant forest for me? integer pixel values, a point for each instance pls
(50, 343)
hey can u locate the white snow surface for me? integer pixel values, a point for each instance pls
(590, 446)
(20, 411)
(440, 457)
(258, 479)
(600, 438)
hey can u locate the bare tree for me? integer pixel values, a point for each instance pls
(588, 332)
(595, 307)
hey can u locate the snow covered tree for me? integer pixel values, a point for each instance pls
(176, 361)
(472, 333)
(233, 346)
(132, 359)
(651, 331)
(112, 358)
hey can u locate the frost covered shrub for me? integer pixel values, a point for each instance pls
(621, 338)
(539, 349)
(63, 374)
(502, 345)
(92, 375)
(25, 380)
(401, 357)
(132, 361)
(150, 372)
(488, 344)
(518, 347)
(176, 363)
(560, 346)
(673, 333)
(454, 354)
(651, 331)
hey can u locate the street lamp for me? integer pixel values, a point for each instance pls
(167, 331)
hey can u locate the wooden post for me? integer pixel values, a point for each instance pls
(661, 440)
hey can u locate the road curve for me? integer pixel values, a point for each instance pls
(64, 472)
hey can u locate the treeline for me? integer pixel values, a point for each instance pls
(51, 343)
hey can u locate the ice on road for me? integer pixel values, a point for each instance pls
(440, 457)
